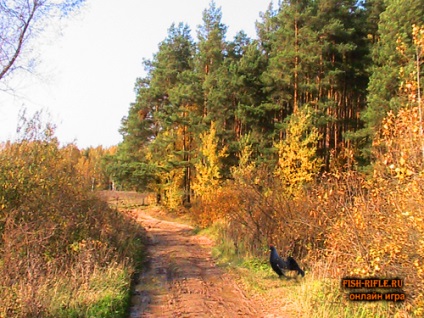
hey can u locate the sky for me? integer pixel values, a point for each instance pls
(85, 77)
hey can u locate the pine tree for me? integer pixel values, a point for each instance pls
(288, 43)
(209, 61)
(343, 65)
(158, 122)
(394, 25)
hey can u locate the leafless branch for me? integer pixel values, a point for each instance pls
(23, 20)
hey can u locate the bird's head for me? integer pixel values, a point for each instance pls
(271, 247)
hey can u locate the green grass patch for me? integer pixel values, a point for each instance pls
(105, 294)
(322, 297)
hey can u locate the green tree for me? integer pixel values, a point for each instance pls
(316, 54)
(160, 120)
(394, 25)
(343, 65)
(248, 92)
(287, 44)
(173, 76)
(209, 60)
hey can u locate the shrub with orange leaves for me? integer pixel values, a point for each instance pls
(398, 148)
(53, 230)
(344, 224)
(380, 231)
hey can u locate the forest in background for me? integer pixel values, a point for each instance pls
(309, 136)
(344, 63)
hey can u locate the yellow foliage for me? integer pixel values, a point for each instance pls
(245, 170)
(89, 164)
(171, 173)
(380, 231)
(398, 148)
(172, 188)
(297, 161)
(208, 176)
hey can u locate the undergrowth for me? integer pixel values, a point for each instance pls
(63, 251)
(316, 295)
(341, 224)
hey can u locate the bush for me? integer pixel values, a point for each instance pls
(58, 241)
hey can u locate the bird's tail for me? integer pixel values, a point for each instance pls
(294, 266)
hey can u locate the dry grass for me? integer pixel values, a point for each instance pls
(63, 251)
(316, 295)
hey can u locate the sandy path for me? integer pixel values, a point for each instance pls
(182, 279)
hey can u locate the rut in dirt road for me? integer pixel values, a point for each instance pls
(182, 279)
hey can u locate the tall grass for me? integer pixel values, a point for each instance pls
(63, 251)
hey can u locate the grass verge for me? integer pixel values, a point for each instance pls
(105, 294)
(313, 296)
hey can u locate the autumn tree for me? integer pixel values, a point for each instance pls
(90, 164)
(244, 172)
(297, 160)
(399, 145)
(208, 165)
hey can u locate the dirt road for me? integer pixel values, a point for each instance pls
(182, 280)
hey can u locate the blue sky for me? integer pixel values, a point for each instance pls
(85, 77)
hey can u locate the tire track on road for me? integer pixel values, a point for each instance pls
(182, 279)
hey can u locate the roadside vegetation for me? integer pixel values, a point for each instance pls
(63, 251)
(345, 226)
(342, 225)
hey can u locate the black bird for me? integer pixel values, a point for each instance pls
(280, 265)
